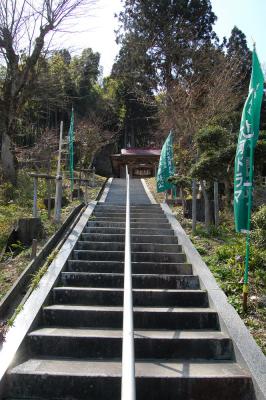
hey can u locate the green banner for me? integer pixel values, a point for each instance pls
(71, 138)
(166, 165)
(248, 136)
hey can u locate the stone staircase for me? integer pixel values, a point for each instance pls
(75, 351)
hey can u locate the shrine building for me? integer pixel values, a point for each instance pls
(141, 162)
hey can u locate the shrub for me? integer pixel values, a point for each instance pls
(7, 192)
(259, 227)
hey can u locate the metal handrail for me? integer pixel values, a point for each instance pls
(128, 390)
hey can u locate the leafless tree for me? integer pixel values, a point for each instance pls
(26, 29)
(191, 104)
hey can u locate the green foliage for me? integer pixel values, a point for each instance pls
(210, 137)
(259, 227)
(260, 151)
(214, 232)
(9, 213)
(137, 106)
(227, 265)
(180, 180)
(202, 250)
(216, 148)
(171, 33)
(238, 52)
(7, 191)
(10, 322)
(17, 247)
(224, 252)
(229, 253)
(42, 271)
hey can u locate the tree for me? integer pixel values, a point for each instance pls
(238, 51)
(171, 31)
(208, 94)
(216, 149)
(26, 23)
(134, 72)
(85, 71)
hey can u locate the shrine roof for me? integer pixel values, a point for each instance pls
(144, 151)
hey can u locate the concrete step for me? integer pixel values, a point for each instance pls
(137, 215)
(53, 378)
(135, 247)
(95, 343)
(141, 297)
(133, 211)
(133, 219)
(113, 207)
(144, 317)
(135, 256)
(113, 237)
(137, 267)
(141, 224)
(139, 281)
(134, 231)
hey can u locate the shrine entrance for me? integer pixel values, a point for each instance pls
(141, 162)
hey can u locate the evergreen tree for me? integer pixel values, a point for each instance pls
(239, 53)
(172, 30)
(134, 71)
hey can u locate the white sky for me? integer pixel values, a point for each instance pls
(96, 32)
(97, 29)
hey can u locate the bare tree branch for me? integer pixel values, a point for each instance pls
(24, 27)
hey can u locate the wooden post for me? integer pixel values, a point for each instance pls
(60, 149)
(58, 199)
(194, 206)
(206, 206)
(35, 195)
(79, 181)
(93, 177)
(49, 189)
(183, 200)
(34, 248)
(58, 192)
(86, 188)
(216, 203)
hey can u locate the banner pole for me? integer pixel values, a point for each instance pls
(250, 189)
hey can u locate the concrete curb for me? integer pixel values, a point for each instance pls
(10, 299)
(247, 352)
(106, 190)
(33, 305)
(152, 199)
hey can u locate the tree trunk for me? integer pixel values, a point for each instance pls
(216, 203)
(227, 194)
(8, 159)
(206, 206)
(194, 206)
(183, 200)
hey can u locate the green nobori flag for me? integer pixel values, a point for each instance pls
(166, 165)
(248, 136)
(71, 138)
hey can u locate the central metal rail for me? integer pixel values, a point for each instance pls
(128, 391)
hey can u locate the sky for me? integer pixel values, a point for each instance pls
(248, 15)
(97, 31)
